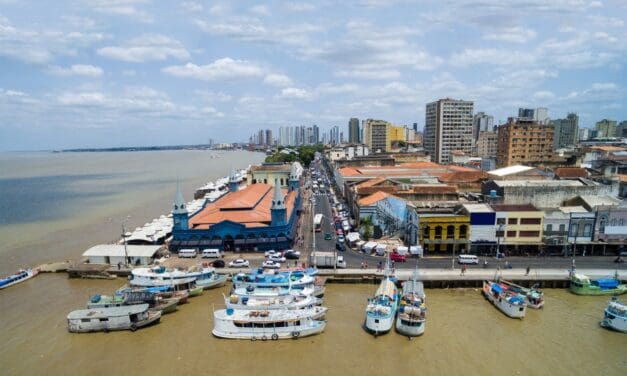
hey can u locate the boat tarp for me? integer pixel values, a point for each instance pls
(496, 288)
(387, 288)
(516, 299)
(607, 283)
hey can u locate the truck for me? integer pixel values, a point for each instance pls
(327, 260)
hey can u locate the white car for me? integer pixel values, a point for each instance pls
(276, 258)
(272, 252)
(239, 263)
(269, 264)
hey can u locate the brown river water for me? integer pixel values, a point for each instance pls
(72, 201)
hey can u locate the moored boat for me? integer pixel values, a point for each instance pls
(209, 279)
(128, 317)
(266, 324)
(412, 309)
(175, 280)
(272, 303)
(582, 285)
(509, 302)
(533, 296)
(381, 309)
(154, 300)
(615, 316)
(20, 276)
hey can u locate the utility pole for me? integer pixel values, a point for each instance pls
(125, 250)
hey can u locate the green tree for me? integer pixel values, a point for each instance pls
(366, 225)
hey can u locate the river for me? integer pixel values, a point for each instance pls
(60, 204)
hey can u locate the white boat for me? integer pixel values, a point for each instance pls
(129, 317)
(266, 292)
(509, 302)
(615, 316)
(177, 280)
(20, 276)
(208, 278)
(412, 310)
(533, 296)
(274, 303)
(381, 309)
(265, 324)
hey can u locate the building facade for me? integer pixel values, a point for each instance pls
(444, 233)
(606, 128)
(448, 127)
(376, 135)
(481, 123)
(522, 142)
(487, 144)
(566, 132)
(519, 226)
(353, 131)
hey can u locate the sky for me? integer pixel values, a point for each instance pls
(101, 73)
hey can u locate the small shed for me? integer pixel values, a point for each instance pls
(114, 254)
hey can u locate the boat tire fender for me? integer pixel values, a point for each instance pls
(253, 338)
(295, 334)
(275, 337)
(264, 338)
(133, 327)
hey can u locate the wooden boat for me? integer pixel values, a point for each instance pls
(582, 285)
(264, 325)
(412, 310)
(615, 316)
(509, 302)
(533, 296)
(162, 291)
(283, 302)
(155, 302)
(381, 309)
(20, 276)
(128, 317)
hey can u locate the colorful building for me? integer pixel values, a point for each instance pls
(519, 227)
(444, 233)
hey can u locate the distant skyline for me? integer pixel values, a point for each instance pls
(105, 73)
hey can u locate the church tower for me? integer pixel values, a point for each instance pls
(179, 214)
(278, 211)
(233, 184)
(294, 182)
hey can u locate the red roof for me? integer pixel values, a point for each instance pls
(571, 172)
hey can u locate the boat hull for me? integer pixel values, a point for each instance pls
(207, 284)
(512, 310)
(18, 278)
(153, 318)
(265, 334)
(196, 291)
(415, 329)
(379, 324)
(592, 290)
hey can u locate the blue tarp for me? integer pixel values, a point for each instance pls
(607, 283)
(496, 288)
(516, 299)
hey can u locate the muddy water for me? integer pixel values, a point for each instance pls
(464, 335)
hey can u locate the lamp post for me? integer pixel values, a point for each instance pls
(313, 231)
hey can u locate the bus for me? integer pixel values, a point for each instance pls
(317, 222)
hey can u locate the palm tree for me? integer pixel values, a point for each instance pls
(366, 224)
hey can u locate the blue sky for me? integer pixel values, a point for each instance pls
(99, 73)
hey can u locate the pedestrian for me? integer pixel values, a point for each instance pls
(528, 269)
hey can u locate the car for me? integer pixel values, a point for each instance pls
(340, 247)
(239, 263)
(277, 258)
(328, 236)
(269, 264)
(218, 264)
(397, 257)
(291, 254)
(339, 232)
(340, 238)
(272, 252)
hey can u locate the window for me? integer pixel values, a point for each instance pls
(500, 221)
(511, 234)
(549, 227)
(587, 229)
(425, 232)
(438, 232)
(85, 320)
(574, 229)
(562, 227)
(500, 234)
(450, 232)
(512, 221)
(529, 234)
(530, 221)
(462, 231)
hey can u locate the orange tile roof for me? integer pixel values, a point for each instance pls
(571, 172)
(371, 182)
(463, 176)
(373, 198)
(609, 148)
(249, 206)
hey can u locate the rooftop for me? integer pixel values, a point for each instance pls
(117, 250)
(373, 198)
(571, 172)
(510, 208)
(283, 167)
(516, 169)
(478, 208)
(539, 183)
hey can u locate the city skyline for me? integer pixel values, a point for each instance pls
(137, 72)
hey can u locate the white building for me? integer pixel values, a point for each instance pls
(448, 127)
(115, 253)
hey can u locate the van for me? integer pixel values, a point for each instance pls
(211, 253)
(187, 253)
(468, 259)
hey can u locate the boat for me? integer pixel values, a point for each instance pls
(509, 302)
(615, 316)
(208, 278)
(265, 324)
(381, 309)
(258, 278)
(284, 302)
(21, 276)
(162, 291)
(128, 317)
(155, 301)
(533, 296)
(412, 309)
(582, 285)
(177, 280)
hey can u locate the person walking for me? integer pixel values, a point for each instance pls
(527, 271)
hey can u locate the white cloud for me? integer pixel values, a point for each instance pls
(513, 35)
(147, 47)
(328, 88)
(300, 7)
(543, 95)
(77, 70)
(191, 6)
(128, 8)
(491, 56)
(279, 80)
(260, 9)
(604, 86)
(82, 99)
(295, 93)
(221, 69)
(369, 74)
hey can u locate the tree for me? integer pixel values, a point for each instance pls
(366, 225)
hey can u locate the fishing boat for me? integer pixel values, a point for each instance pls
(412, 309)
(161, 291)
(155, 302)
(208, 278)
(20, 276)
(509, 302)
(582, 285)
(533, 296)
(615, 316)
(128, 317)
(259, 278)
(273, 303)
(265, 324)
(381, 309)
(177, 280)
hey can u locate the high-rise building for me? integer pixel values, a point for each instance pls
(486, 144)
(539, 115)
(415, 126)
(269, 140)
(376, 135)
(353, 131)
(606, 128)
(316, 134)
(481, 123)
(523, 141)
(260, 138)
(621, 129)
(584, 134)
(526, 113)
(566, 132)
(448, 127)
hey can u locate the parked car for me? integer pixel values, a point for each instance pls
(291, 254)
(397, 257)
(218, 264)
(269, 264)
(340, 238)
(276, 258)
(328, 236)
(340, 246)
(271, 253)
(239, 263)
